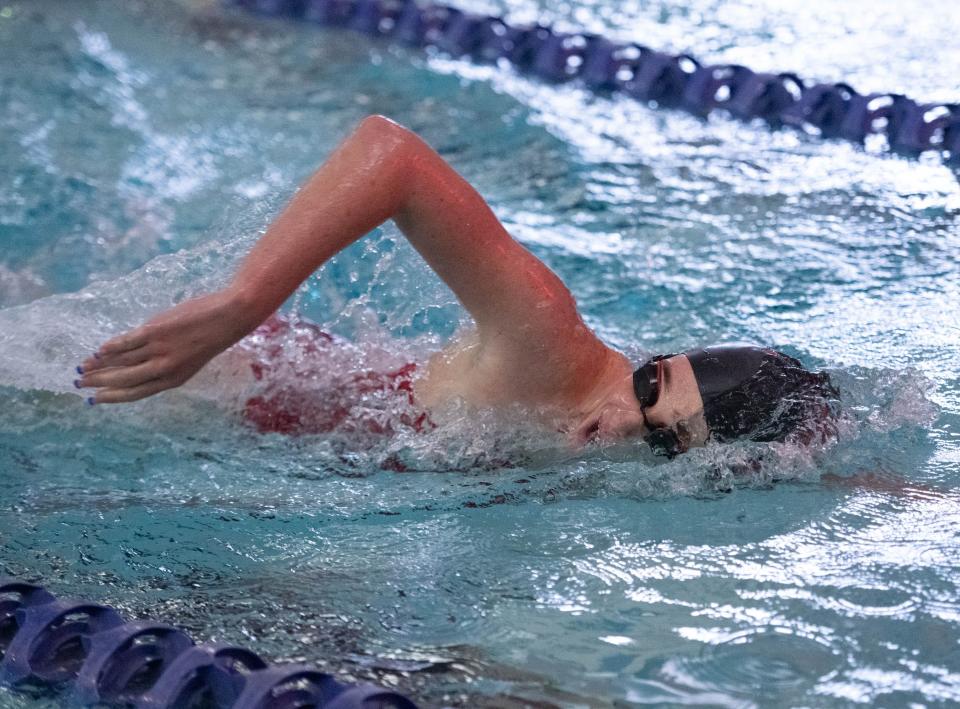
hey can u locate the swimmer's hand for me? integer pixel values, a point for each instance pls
(167, 350)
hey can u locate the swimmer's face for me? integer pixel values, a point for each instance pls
(679, 406)
(618, 416)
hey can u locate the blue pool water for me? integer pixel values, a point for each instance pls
(143, 146)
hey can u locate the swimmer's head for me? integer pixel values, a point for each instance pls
(728, 392)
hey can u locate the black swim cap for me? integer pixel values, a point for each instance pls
(759, 393)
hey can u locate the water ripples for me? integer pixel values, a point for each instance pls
(607, 578)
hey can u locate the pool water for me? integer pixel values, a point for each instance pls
(143, 147)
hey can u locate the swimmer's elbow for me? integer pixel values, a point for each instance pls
(385, 132)
(378, 123)
(403, 159)
(394, 147)
(380, 130)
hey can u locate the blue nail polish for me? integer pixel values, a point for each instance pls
(79, 369)
(89, 401)
(96, 355)
(76, 383)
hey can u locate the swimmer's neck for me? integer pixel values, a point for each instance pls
(609, 376)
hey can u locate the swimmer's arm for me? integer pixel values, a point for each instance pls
(385, 171)
(381, 171)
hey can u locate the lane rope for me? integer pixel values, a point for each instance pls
(835, 111)
(107, 660)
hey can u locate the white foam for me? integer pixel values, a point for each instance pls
(41, 342)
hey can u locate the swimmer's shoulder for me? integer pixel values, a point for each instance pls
(492, 373)
(450, 372)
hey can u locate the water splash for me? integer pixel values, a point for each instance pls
(41, 341)
(671, 232)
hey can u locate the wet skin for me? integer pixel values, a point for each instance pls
(615, 414)
(530, 347)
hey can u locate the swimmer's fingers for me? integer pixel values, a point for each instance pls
(142, 391)
(127, 342)
(124, 376)
(121, 351)
(124, 359)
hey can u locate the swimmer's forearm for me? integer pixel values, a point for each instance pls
(359, 187)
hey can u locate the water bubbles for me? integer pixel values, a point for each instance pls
(479, 558)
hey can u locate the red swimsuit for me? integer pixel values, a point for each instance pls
(286, 407)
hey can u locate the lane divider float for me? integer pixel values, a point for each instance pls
(835, 111)
(147, 665)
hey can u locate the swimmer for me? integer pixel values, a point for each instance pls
(530, 346)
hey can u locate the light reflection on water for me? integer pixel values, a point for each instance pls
(857, 41)
(577, 582)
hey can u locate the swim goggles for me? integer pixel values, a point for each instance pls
(647, 383)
